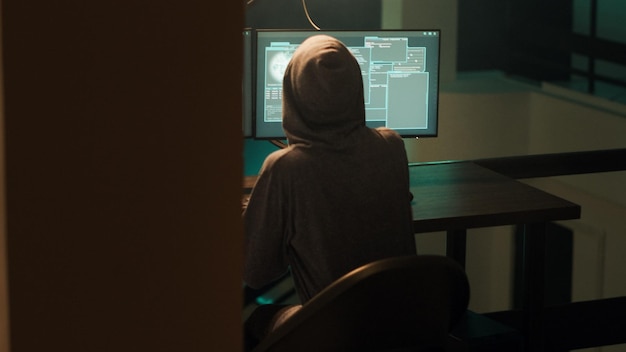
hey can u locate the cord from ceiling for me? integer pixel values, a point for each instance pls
(306, 11)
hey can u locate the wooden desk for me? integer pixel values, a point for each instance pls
(456, 196)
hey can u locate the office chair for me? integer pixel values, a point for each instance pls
(398, 304)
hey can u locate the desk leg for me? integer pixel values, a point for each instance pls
(455, 245)
(534, 247)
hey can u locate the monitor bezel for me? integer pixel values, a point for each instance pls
(248, 83)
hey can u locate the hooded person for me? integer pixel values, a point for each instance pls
(337, 197)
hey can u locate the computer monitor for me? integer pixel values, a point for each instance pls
(400, 70)
(247, 83)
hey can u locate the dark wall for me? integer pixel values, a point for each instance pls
(326, 14)
(520, 37)
(482, 37)
(539, 33)
(124, 227)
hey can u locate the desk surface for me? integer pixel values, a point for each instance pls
(463, 195)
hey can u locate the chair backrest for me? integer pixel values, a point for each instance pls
(397, 304)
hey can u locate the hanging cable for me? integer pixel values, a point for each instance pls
(306, 11)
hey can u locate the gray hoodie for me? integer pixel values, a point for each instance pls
(338, 196)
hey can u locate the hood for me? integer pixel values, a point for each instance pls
(322, 93)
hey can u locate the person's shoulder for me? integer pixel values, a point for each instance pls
(280, 158)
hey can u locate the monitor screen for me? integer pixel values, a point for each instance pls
(400, 70)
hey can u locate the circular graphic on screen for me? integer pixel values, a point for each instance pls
(278, 64)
